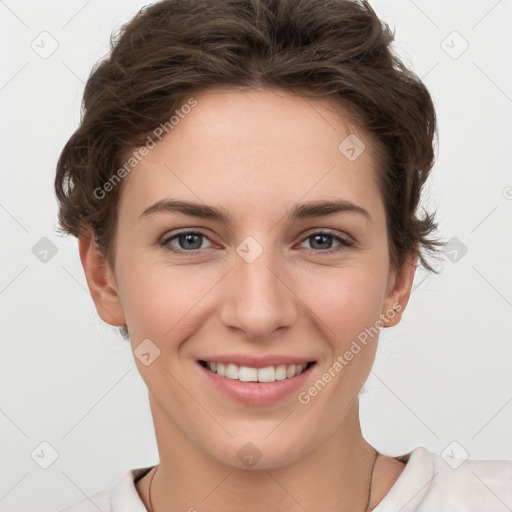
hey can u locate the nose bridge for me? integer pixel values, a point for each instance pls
(256, 300)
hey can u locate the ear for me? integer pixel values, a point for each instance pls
(101, 281)
(399, 290)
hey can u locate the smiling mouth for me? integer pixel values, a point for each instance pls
(249, 374)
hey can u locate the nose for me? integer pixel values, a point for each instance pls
(257, 300)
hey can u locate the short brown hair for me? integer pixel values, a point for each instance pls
(323, 48)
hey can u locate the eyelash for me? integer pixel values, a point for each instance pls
(344, 243)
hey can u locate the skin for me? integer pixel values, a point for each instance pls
(256, 154)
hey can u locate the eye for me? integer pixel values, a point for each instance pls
(186, 242)
(191, 242)
(323, 241)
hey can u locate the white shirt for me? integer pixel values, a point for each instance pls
(427, 484)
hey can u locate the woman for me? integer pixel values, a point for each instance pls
(244, 186)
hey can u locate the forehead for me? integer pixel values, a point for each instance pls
(257, 149)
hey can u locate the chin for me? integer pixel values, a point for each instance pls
(260, 453)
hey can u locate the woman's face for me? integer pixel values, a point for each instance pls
(256, 284)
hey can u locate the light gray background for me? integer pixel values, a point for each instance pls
(67, 379)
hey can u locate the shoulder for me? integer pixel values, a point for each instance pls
(122, 496)
(479, 483)
(431, 482)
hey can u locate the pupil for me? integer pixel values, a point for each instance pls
(324, 237)
(189, 240)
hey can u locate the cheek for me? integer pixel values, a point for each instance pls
(346, 301)
(158, 299)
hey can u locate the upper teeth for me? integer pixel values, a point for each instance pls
(247, 374)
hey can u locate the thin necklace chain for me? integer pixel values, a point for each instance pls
(367, 503)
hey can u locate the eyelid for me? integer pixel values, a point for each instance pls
(331, 232)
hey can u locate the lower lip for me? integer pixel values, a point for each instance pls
(257, 393)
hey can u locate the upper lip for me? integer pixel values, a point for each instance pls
(257, 362)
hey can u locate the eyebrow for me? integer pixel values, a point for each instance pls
(310, 209)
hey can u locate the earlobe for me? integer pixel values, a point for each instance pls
(100, 281)
(399, 291)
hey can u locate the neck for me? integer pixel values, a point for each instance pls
(333, 477)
